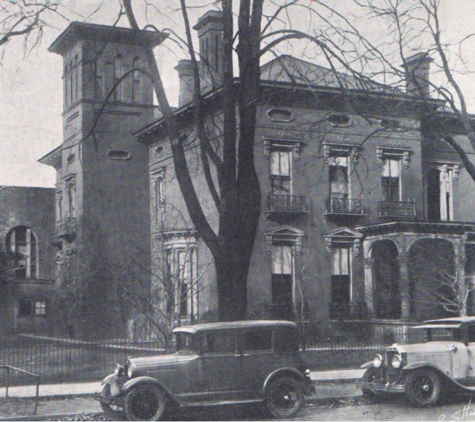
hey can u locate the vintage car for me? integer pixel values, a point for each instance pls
(442, 359)
(214, 364)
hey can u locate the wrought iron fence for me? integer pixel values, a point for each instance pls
(397, 208)
(286, 203)
(347, 310)
(345, 206)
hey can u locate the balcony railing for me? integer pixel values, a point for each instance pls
(286, 203)
(66, 227)
(397, 209)
(345, 206)
(348, 310)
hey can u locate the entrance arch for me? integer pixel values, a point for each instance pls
(386, 291)
(432, 278)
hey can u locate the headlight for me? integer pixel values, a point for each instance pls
(396, 361)
(377, 361)
(119, 370)
(130, 371)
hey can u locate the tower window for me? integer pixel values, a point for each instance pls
(137, 84)
(22, 245)
(118, 73)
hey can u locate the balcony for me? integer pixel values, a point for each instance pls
(344, 206)
(347, 310)
(67, 228)
(401, 209)
(286, 205)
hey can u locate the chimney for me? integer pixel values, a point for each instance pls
(417, 74)
(210, 34)
(187, 86)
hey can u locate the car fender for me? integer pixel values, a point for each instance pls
(130, 384)
(292, 372)
(417, 365)
(367, 365)
(113, 381)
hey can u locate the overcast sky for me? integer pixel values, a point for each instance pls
(31, 87)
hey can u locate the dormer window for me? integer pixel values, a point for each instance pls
(280, 115)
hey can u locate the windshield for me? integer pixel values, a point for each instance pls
(186, 342)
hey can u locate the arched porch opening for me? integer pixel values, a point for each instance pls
(434, 288)
(386, 291)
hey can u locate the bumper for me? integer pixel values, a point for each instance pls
(381, 387)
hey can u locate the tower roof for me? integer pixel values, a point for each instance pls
(96, 32)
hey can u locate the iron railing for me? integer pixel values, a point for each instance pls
(9, 368)
(286, 203)
(348, 310)
(345, 206)
(397, 208)
(66, 227)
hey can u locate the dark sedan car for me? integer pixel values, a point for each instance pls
(214, 364)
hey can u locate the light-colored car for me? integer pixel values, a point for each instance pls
(214, 364)
(441, 360)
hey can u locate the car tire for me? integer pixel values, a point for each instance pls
(145, 402)
(371, 375)
(111, 414)
(284, 397)
(423, 387)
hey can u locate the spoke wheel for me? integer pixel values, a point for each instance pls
(423, 387)
(284, 397)
(111, 412)
(145, 403)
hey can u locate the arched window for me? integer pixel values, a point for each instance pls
(137, 84)
(71, 82)
(66, 86)
(22, 245)
(76, 78)
(118, 72)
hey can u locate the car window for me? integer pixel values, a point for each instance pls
(185, 341)
(257, 341)
(288, 340)
(219, 342)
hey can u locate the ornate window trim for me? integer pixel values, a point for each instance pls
(343, 237)
(331, 149)
(284, 234)
(445, 166)
(402, 153)
(272, 111)
(292, 144)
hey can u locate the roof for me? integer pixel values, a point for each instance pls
(233, 325)
(286, 68)
(96, 32)
(425, 326)
(452, 320)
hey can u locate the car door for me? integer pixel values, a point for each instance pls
(470, 333)
(257, 360)
(221, 368)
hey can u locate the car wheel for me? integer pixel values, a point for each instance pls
(145, 402)
(284, 397)
(371, 375)
(111, 413)
(423, 387)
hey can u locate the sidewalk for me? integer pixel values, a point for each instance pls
(75, 398)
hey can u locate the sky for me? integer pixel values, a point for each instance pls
(31, 86)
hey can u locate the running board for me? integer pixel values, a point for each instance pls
(220, 403)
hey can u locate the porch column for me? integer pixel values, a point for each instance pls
(404, 287)
(368, 284)
(460, 261)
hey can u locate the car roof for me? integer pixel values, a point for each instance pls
(233, 325)
(453, 320)
(437, 326)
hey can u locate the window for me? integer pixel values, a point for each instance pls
(67, 100)
(280, 171)
(159, 198)
(182, 291)
(76, 79)
(440, 194)
(71, 199)
(40, 308)
(119, 154)
(257, 341)
(118, 73)
(282, 280)
(24, 308)
(71, 81)
(22, 246)
(341, 275)
(59, 206)
(390, 180)
(99, 82)
(339, 177)
(137, 88)
(219, 342)
(339, 120)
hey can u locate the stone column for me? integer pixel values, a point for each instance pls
(404, 286)
(460, 260)
(368, 284)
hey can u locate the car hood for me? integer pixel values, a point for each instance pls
(423, 348)
(160, 361)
